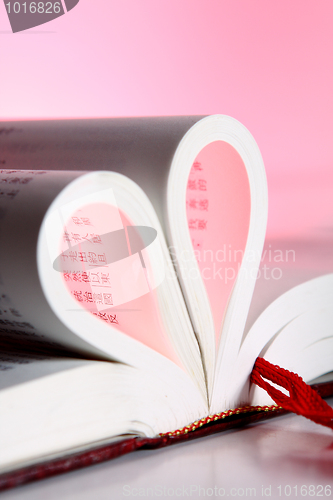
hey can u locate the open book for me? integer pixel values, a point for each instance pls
(122, 308)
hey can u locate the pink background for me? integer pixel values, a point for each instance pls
(268, 64)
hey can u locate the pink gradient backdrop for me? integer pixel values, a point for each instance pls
(268, 64)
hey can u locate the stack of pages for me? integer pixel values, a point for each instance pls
(124, 291)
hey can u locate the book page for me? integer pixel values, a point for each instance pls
(106, 270)
(20, 192)
(218, 207)
(140, 148)
(25, 314)
(19, 367)
(296, 323)
(120, 293)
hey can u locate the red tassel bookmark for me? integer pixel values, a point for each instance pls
(302, 399)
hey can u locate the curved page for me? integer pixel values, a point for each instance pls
(289, 314)
(217, 211)
(36, 291)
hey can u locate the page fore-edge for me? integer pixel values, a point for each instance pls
(231, 419)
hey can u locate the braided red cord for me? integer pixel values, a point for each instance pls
(302, 399)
